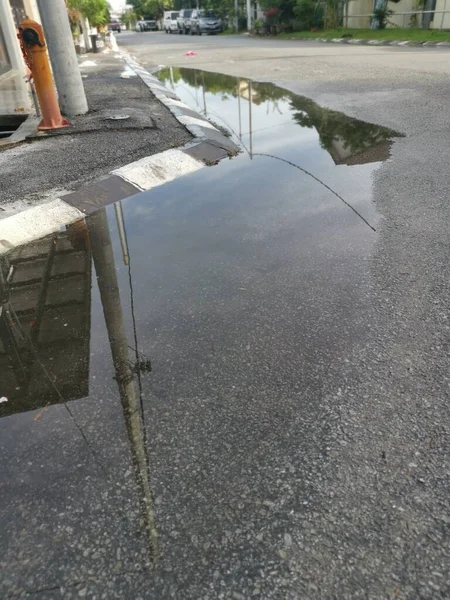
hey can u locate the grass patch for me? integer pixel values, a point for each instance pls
(397, 33)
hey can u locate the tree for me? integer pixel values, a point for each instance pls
(97, 11)
(129, 18)
(281, 10)
(148, 8)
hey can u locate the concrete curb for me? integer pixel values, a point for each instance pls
(207, 148)
(404, 43)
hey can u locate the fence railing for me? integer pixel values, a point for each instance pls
(436, 23)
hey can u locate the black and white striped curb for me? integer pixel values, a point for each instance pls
(208, 147)
(405, 43)
(212, 138)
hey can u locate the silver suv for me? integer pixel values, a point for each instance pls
(184, 21)
(205, 21)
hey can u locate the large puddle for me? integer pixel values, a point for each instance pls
(163, 364)
(278, 120)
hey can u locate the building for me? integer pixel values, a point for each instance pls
(406, 13)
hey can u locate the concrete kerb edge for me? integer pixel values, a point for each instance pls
(126, 181)
(182, 112)
(401, 43)
(358, 42)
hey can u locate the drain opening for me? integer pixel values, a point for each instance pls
(9, 124)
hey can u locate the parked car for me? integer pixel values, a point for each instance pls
(184, 20)
(146, 25)
(115, 26)
(170, 21)
(205, 21)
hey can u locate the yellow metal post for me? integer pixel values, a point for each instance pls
(31, 36)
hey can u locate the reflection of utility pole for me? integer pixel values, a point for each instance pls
(239, 109)
(204, 95)
(171, 78)
(105, 268)
(122, 233)
(250, 116)
(196, 87)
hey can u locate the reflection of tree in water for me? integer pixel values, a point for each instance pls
(333, 127)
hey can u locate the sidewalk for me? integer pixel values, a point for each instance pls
(47, 166)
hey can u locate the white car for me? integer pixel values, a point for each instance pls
(146, 25)
(170, 21)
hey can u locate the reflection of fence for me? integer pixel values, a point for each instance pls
(439, 19)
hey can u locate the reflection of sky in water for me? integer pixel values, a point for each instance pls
(279, 127)
(280, 119)
(220, 216)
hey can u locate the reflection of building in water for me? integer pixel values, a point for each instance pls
(244, 91)
(343, 154)
(45, 301)
(48, 302)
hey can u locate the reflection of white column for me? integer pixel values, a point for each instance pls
(105, 268)
(239, 109)
(250, 116)
(122, 232)
(204, 95)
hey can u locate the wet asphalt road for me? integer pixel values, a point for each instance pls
(295, 440)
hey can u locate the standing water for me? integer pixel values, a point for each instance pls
(166, 366)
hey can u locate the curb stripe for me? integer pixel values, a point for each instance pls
(36, 222)
(152, 171)
(208, 147)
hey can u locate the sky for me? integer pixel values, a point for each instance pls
(117, 5)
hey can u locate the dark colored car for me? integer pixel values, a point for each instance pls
(205, 21)
(184, 20)
(115, 26)
(146, 25)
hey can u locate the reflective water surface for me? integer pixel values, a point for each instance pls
(272, 109)
(165, 365)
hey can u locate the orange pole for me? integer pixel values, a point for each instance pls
(34, 48)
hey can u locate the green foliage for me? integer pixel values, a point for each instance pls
(285, 9)
(97, 11)
(389, 34)
(129, 17)
(309, 15)
(381, 16)
(148, 9)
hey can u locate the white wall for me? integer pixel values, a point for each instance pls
(355, 8)
(436, 23)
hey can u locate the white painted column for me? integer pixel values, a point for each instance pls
(86, 27)
(31, 10)
(61, 49)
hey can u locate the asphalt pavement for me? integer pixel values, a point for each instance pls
(291, 438)
(125, 122)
